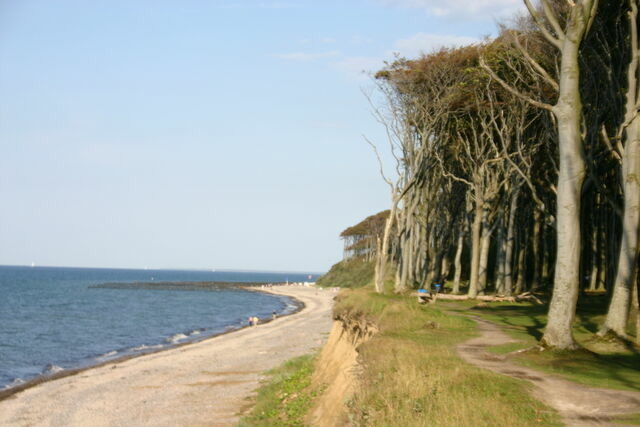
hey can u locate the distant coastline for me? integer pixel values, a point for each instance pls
(181, 286)
(33, 264)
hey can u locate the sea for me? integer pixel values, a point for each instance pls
(54, 318)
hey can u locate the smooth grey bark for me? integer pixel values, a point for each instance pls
(445, 268)
(476, 229)
(618, 313)
(593, 275)
(571, 174)
(508, 265)
(483, 263)
(382, 258)
(520, 281)
(458, 262)
(602, 257)
(500, 259)
(535, 247)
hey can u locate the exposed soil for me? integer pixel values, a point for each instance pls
(579, 405)
(336, 371)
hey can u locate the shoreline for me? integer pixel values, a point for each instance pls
(200, 383)
(252, 287)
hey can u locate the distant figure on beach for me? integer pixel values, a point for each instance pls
(253, 321)
(274, 315)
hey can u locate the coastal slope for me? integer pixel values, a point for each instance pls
(205, 383)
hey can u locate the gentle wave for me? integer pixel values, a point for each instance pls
(174, 339)
(51, 369)
(96, 326)
(16, 382)
(147, 347)
(107, 355)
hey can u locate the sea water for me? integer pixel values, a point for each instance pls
(52, 319)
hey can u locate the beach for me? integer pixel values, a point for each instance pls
(205, 383)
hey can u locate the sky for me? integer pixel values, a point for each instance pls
(201, 133)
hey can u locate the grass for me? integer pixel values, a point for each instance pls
(412, 376)
(632, 419)
(601, 363)
(286, 397)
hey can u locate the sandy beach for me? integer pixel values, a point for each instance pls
(205, 383)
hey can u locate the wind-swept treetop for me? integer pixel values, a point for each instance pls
(361, 240)
(370, 226)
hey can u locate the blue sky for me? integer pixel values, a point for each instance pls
(200, 134)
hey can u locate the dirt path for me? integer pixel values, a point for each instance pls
(579, 405)
(204, 383)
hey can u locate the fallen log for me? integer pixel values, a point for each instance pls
(525, 297)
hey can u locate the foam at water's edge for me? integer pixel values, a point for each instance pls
(107, 355)
(51, 369)
(146, 347)
(14, 383)
(176, 338)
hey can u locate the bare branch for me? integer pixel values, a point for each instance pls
(545, 75)
(384, 177)
(554, 40)
(512, 90)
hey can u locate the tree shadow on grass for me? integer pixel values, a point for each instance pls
(600, 369)
(526, 318)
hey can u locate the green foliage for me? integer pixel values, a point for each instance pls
(350, 273)
(413, 376)
(285, 399)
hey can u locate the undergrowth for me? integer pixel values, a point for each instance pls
(412, 376)
(350, 273)
(286, 397)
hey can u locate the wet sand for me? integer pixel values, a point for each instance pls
(204, 383)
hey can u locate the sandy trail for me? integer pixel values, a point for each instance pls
(204, 383)
(579, 405)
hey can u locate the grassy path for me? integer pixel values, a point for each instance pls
(579, 405)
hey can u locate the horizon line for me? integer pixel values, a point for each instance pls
(209, 269)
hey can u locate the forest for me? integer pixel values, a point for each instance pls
(517, 165)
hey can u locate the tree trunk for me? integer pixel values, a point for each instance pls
(535, 246)
(458, 262)
(568, 113)
(618, 314)
(476, 229)
(500, 259)
(446, 267)
(520, 282)
(508, 264)
(485, 241)
(383, 249)
(602, 254)
(636, 304)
